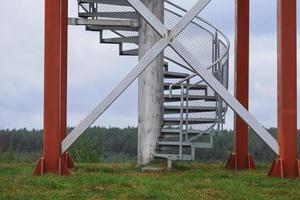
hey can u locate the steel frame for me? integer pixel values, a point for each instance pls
(241, 159)
(55, 92)
(287, 165)
(169, 39)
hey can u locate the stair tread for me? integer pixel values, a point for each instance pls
(173, 143)
(176, 131)
(129, 52)
(191, 121)
(186, 144)
(173, 109)
(104, 22)
(118, 40)
(104, 15)
(173, 156)
(177, 97)
(114, 28)
(169, 74)
(110, 2)
(196, 87)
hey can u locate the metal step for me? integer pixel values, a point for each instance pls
(105, 24)
(130, 52)
(117, 15)
(196, 87)
(110, 2)
(175, 75)
(175, 98)
(173, 134)
(176, 121)
(173, 156)
(185, 144)
(166, 143)
(176, 131)
(118, 40)
(100, 23)
(171, 149)
(190, 109)
(176, 137)
(112, 28)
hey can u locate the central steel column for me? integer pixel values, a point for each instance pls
(287, 166)
(150, 88)
(241, 159)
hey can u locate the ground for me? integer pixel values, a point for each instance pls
(125, 181)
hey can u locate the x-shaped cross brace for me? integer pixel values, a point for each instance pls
(169, 39)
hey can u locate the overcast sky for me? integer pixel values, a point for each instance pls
(94, 69)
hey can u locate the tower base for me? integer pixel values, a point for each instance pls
(233, 164)
(65, 163)
(279, 170)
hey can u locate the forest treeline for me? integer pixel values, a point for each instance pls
(100, 144)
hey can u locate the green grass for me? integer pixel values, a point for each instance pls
(125, 181)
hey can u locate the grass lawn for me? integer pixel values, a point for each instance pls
(125, 181)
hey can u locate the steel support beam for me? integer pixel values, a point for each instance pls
(287, 165)
(55, 89)
(241, 159)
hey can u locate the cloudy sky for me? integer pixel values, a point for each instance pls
(94, 69)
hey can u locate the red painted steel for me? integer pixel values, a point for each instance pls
(55, 89)
(241, 159)
(287, 166)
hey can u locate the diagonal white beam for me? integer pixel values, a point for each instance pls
(225, 95)
(189, 16)
(148, 16)
(114, 94)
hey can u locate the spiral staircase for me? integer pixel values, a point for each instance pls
(193, 112)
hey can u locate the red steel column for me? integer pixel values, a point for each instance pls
(241, 159)
(287, 165)
(55, 89)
